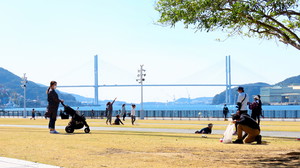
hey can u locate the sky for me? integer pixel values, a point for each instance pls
(58, 39)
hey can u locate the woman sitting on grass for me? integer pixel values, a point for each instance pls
(118, 121)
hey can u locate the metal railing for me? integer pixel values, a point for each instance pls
(173, 114)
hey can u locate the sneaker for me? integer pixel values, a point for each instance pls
(238, 141)
(258, 139)
(54, 132)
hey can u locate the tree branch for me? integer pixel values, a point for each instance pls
(283, 36)
(285, 28)
(288, 12)
(265, 32)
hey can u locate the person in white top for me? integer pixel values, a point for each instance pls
(242, 101)
(242, 104)
(132, 114)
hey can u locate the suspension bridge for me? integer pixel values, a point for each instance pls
(228, 85)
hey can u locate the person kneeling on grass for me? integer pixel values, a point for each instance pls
(206, 130)
(249, 126)
(118, 121)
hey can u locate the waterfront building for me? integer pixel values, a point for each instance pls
(278, 95)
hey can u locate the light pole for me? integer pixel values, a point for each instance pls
(141, 79)
(24, 84)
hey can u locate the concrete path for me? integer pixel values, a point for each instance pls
(186, 131)
(16, 163)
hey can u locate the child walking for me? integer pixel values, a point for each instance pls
(32, 114)
(123, 112)
(133, 114)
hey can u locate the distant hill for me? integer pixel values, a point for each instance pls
(199, 100)
(35, 93)
(250, 89)
(290, 81)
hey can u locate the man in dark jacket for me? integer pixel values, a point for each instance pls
(225, 112)
(249, 126)
(206, 130)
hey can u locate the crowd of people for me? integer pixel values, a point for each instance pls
(109, 110)
(244, 123)
(249, 125)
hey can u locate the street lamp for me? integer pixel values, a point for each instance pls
(141, 79)
(24, 84)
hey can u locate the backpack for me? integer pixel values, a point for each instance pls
(253, 105)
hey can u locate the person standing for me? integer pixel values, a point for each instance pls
(93, 114)
(109, 110)
(123, 112)
(53, 103)
(133, 114)
(32, 114)
(260, 106)
(256, 108)
(225, 112)
(242, 101)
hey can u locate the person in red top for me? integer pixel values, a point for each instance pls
(255, 106)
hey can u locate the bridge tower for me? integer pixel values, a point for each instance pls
(96, 80)
(228, 80)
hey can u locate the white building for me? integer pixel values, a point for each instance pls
(280, 95)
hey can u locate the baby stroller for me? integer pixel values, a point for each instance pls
(77, 121)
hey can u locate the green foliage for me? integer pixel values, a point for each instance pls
(254, 18)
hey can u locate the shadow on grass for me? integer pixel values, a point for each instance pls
(153, 134)
(291, 159)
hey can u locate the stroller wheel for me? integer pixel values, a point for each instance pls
(69, 129)
(87, 130)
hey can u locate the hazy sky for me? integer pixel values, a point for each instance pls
(57, 40)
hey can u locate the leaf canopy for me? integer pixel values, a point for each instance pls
(253, 18)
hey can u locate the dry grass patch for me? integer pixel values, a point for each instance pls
(140, 149)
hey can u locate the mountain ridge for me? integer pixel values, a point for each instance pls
(35, 93)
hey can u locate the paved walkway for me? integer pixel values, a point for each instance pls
(16, 163)
(186, 131)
